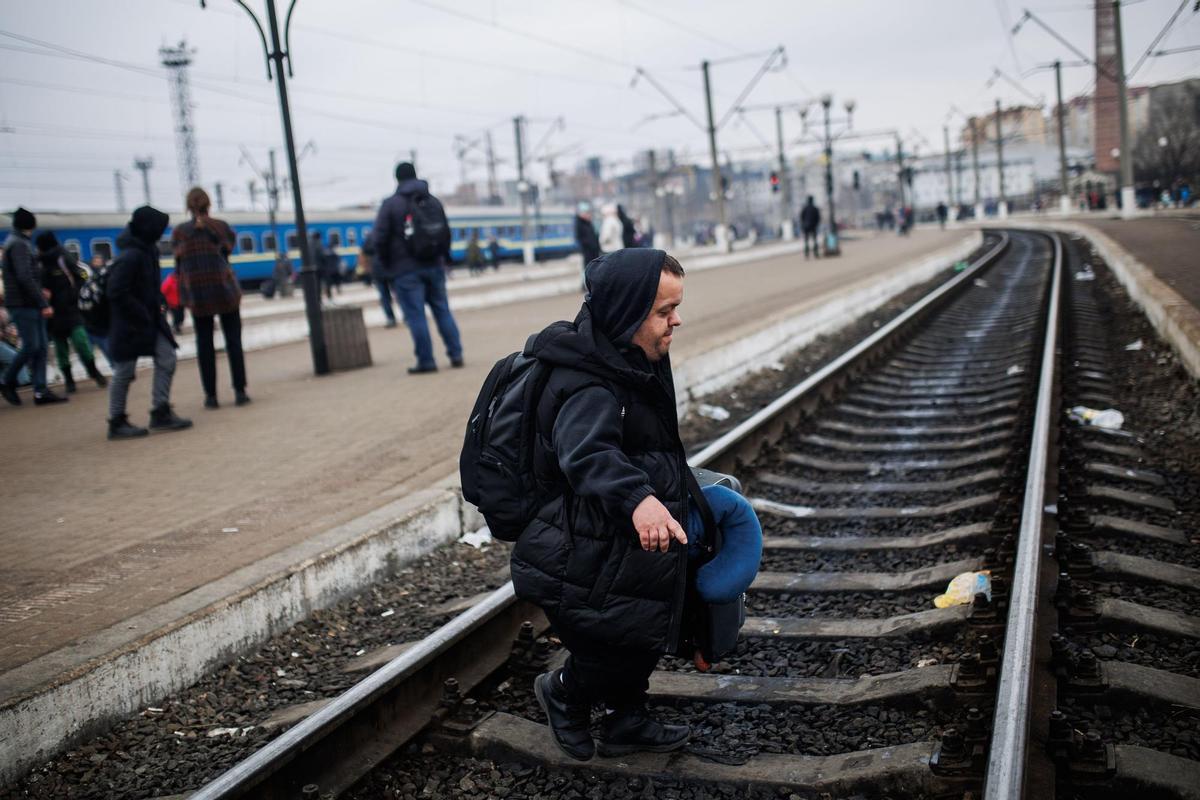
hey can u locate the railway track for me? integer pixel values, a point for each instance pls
(930, 449)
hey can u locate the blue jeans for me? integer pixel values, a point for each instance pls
(34, 343)
(414, 290)
(385, 298)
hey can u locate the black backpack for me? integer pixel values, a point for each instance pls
(93, 300)
(426, 227)
(496, 464)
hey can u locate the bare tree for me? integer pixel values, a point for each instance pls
(1168, 150)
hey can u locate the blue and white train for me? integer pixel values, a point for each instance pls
(552, 231)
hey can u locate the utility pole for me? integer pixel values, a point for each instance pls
(1128, 196)
(1064, 199)
(252, 191)
(785, 195)
(655, 192)
(523, 189)
(826, 102)
(144, 165)
(721, 233)
(949, 170)
(975, 133)
(493, 186)
(217, 189)
(412, 157)
(1002, 210)
(900, 169)
(273, 199)
(119, 185)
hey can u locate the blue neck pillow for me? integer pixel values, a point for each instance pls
(732, 570)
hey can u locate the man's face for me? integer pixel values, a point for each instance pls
(654, 335)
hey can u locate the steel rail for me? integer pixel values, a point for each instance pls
(1007, 757)
(359, 728)
(740, 443)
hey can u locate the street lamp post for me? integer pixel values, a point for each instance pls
(833, 242)
(276, 54)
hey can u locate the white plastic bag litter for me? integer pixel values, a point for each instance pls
(1138, 345)
(1108, 418)
(712, 412)
(962, 590)
(1015, 369)
(477, 539)
(1085, 274)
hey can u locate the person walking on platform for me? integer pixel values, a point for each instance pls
(412, 238)
(209, 289)
(138, 327)
(810, 221)
(474, 256)
(942, 213)
(381, 277)
(585, 237)
(324, 259)
(62, 276)
(494, 253)
(170, 293)
(29, 309)
(606, 555)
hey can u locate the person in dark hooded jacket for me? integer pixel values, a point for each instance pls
(606, 555)
(62, 277)
(417, 282)
(137, 326)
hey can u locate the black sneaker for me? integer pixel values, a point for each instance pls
(457, 363)
(48, 398)
(242, 399)
(630, 730)
(419, 370)
(164, 418)
(210, 401)
(69, 383)
(9, 392)
(121, 428)
(569, 722)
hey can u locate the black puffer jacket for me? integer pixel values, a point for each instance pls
(392, 253)
(608, 437)
(133, 289)
(62, 276)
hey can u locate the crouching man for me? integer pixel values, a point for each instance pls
(606, 555)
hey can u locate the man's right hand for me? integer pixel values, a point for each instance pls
(655, 525)
(47, 312)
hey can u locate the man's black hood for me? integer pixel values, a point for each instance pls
(413, 186)
(622, 286)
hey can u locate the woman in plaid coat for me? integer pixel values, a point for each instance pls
(208, 287)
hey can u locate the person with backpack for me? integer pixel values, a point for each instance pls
(412, 243)
(63, 277)
(329, 264)
(600, 518)
(29, 309)
(209, 289)
(137, 326)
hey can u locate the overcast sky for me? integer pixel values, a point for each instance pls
(375, 79)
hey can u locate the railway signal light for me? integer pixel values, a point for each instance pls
(774, 181)
(856, 181)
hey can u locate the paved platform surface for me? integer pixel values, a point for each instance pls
(96, 532)
(1168, 244)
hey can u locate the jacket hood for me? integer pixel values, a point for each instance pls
(413, 186)
(126, 240)
(148, 224)
(622, 286)
(51, 256)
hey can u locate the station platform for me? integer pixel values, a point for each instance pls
(105, 543)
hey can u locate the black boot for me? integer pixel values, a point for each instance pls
(9, 392)
(241, 398)
(69, 382)
(121, 428)
(164, 418)
(95, 375)
(630, 730)
(48, 397)
(569, 721)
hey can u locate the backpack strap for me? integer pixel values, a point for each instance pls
(712, 531)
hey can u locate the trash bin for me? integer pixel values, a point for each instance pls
(346, 337)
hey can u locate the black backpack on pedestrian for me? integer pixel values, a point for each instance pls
(93, 300)
(426, 227)
(496, 463)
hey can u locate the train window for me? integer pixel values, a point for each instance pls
(268, 242)
(366, 231)
(246, 243)
(351, 236)
(72, 247)
(164, 246)
(102, 248)
(293, 242)
(335, 238)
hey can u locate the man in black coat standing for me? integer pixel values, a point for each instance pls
(585, 237)
(137, 326)
(810, 220)
(606, 555)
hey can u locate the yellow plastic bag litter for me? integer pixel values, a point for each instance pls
(962, 590)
